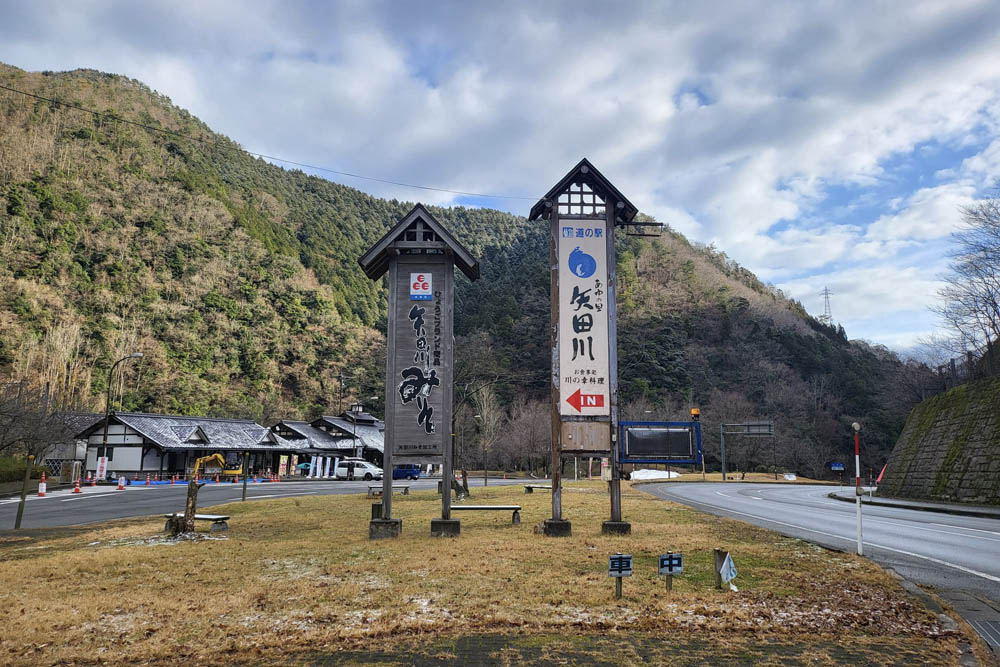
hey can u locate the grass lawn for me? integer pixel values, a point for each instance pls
(298, 580)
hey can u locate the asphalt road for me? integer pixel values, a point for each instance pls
(100, 503)
(957, 555)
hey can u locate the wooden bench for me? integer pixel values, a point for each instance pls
(376, 490)
(219, 521)
(530, 488)
(516, 509)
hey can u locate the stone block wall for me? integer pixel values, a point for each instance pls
(949, 449)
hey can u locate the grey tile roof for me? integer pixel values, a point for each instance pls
(76, 422)
(371, 436)
(314, 439)
(172, 432)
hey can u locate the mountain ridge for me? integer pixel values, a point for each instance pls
(238, 281)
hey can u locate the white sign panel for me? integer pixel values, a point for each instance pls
(671, 564)
(420, 286)
(620, 565)
(102, 467)
(584, 369)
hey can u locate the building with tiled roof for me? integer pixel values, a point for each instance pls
(166, 445)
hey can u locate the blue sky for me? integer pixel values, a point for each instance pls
(816, 143)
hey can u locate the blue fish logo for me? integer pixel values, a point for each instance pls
(581, 264)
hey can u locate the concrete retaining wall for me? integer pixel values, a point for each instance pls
(950, 448)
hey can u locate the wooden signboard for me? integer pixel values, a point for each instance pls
(420, 257)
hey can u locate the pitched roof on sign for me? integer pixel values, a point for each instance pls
(175, 432)
(375, 261)
(586, 173)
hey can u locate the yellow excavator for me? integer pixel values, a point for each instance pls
(217, 458)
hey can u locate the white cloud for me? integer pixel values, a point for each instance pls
(732, 122)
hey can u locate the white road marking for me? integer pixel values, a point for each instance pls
(87, 495)
(978, 530)
(853, 540)
(720, 493)
(280, 495)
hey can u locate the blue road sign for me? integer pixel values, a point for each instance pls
(837, 467)
(620, 565)
(671, 563)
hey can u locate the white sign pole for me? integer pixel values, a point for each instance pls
(857, 483)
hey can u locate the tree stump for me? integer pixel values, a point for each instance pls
(190, 507)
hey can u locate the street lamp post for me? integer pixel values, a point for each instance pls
(857, 481)
(107, 403)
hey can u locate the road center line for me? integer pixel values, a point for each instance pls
(852, 540)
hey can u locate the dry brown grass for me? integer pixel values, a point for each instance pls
(299, 576)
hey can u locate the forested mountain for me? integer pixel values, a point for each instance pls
(238, 281)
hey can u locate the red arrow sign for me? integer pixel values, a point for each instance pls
(579, 401)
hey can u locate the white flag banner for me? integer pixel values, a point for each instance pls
(728, 572)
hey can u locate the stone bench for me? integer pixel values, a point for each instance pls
(219, 521)
(516, 509)
(530, 488)
(375, 491)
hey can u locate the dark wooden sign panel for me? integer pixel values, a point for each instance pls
(420, 362)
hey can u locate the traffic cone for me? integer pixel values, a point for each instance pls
(76, 486)
(156, 477)
(236, 479)
(147, 479)
(216, 478)
(41, 486)
(121, 484)
(173, 480)
(93, 479)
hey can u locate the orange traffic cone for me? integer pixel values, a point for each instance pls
(216, 478)
(147, 479)
(93, 479)
(236, 479)
(41, 487)
(76, 486)
(121, 484)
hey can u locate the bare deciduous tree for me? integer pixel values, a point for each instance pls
(971, 295)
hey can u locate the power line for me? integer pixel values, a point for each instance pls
(224, 146)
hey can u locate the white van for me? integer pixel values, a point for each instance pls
(355, 469)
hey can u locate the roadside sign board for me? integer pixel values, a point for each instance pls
(620, 565)
(837, 467)
(584, 365)
(671, 563)
(102, 467)
(660, 442)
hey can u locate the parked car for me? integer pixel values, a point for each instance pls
(354, 469)
(406, 471)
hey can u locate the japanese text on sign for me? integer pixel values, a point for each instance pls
(583, 319)
(671, 563)
(620, 565)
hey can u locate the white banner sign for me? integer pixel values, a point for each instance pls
(584, 370)
(102, 467)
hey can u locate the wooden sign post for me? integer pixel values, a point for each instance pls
(583, 210)
(419, 256)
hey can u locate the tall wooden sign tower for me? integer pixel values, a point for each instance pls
(583, 210)
(419, 255)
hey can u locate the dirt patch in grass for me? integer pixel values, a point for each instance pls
(298, 580)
